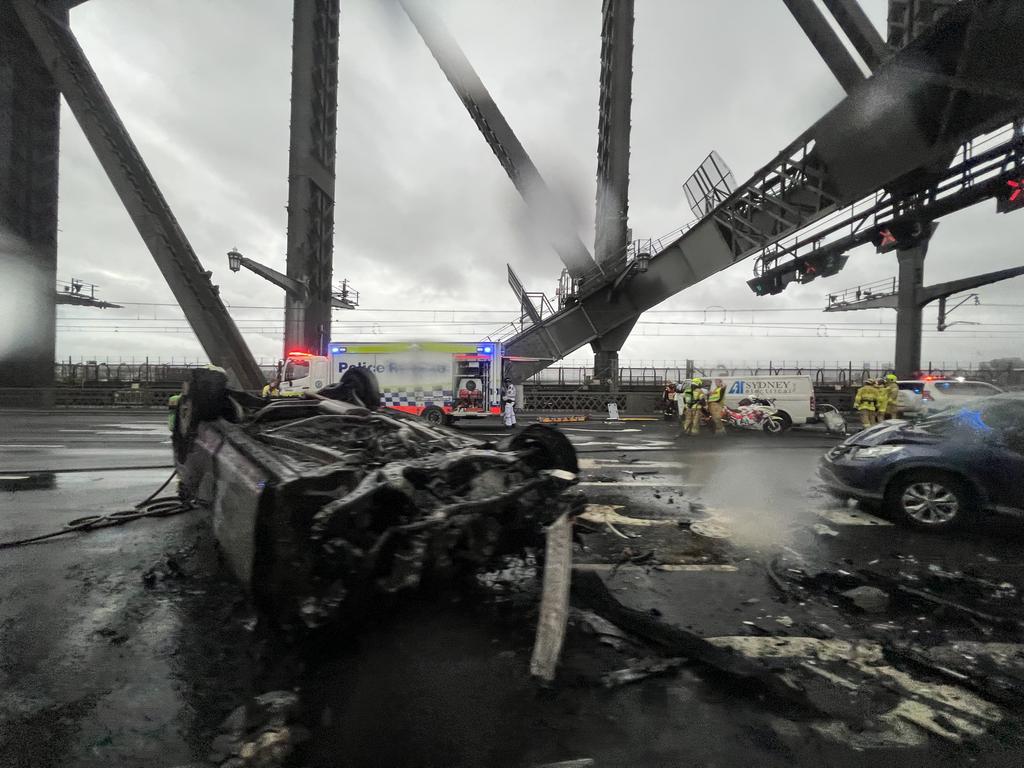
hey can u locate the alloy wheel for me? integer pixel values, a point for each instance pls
(930, 503)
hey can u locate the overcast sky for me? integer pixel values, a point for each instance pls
(426, 219)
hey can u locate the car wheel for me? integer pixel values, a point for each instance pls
(433, 415)
(787, 420)
(551, 448)
(930, 500)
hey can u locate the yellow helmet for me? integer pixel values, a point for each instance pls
(890, 377)
(697, 381)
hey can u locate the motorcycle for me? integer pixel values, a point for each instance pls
(751, 413)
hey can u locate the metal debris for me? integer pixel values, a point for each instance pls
(868, 599)
(589, 590)
(711, 528)
(554, 602)
(640, 671)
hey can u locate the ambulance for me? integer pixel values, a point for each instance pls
(440, 381)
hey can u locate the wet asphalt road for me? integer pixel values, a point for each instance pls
(99, 669)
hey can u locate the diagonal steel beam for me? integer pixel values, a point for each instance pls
(824, 39)
(501, 138)
(614, 104)
(940, 290)
(120, 158)
(856, 25)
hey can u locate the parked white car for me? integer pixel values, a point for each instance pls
(918, 397)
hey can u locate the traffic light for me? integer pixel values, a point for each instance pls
(1011, 196)
(767, 284)
(819, 265)
(899, 235)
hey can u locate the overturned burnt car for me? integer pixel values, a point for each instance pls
(327, 506)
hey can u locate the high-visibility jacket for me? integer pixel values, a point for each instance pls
(881, 398)
(716, 395)
(693, 397)
(172, 408)
(269, 391)
(893, 394)
(866, 398)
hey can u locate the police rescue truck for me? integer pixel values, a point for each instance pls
(440, 381)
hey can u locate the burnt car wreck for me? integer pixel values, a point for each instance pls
(325, 508)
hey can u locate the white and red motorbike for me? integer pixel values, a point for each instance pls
(756, 414)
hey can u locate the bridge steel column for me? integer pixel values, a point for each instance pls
(29, 148)
(614, 107)
(909, 309)
(185, 275)
(311, 169)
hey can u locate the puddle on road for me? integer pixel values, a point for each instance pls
(38, 481)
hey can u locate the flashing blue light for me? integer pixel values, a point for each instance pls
(487, 349)
(973, 420)
(338, 350)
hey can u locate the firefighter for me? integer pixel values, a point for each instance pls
(272, 388)
(892, 390)
(865, 402)
(691, 402)
(881, 400)
(716, 405)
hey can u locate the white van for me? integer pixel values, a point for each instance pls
(793, 396)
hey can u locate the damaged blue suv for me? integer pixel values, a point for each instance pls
(938, 472)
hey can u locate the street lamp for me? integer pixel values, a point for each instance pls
(234, 260)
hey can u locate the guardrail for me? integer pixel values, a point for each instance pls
(85, 397)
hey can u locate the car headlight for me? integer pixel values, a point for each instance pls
(875, 451)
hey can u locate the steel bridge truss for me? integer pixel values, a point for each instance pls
(983, 166)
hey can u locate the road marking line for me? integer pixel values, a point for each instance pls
(602, 431)
(847, 517)
(668, 567)
(619, 464)
(639, 483)
(29, 445)
(834, 516)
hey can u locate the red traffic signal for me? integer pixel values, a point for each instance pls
(899, 235)
(1010, 196)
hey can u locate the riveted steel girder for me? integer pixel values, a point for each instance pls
(311, 173)
(501, 139)
(188, 280)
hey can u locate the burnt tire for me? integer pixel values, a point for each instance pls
(434, 415)
(207, 391)
(549, 448)
(358, 386)
(930, 500)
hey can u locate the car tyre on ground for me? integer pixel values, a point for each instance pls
(930, 500)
